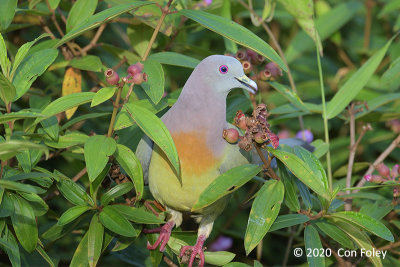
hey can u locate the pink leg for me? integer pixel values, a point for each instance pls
(196, 250)
(165, 233)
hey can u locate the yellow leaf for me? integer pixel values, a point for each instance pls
(72, 84)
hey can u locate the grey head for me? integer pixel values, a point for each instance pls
(222, 74)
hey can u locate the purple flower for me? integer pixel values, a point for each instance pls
(221, 243)
(308, 136)
(207, 2)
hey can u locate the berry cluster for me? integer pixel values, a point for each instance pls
(385, 174)
(256, 129)
(135, 75)
(251, 59)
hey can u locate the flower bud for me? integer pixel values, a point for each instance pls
(111, 76)
(274, 69)
(135, 69)
(247, 67)
(395, 171)
(274, 139)
(264, 75)
(241, 55)
(230, 135)
(305, 135)
(374, 178)
(383, 170)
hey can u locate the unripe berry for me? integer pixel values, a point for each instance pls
(241, 55)
(111, 76)
(251, 55)
(135, 68)
(230, 135)
(138, 78)
(247, 67)
(383, 170)
(258, 137)
(274, 69)
(264, 75)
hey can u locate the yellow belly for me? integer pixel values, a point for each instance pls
(199, 167)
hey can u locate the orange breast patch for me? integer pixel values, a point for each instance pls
(194, 154)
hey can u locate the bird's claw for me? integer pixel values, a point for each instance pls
(196, 250)
(165, 233)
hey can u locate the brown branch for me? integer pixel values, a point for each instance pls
(390, 246)
(351, 111)
(129, 93)
(368, 22)
(266, 162)
(96, 37)
(169, 262)
(79, 175)
(120, 63)
(309, 214)
(380, 159)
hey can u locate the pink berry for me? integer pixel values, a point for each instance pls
(383, 170)
(395, 171)
(138, 78)
(241, 55)
(274, 69)
(111, 76)
(230, 135)
(135, 68)
(264, 75)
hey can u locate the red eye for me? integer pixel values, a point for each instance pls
(223, 69)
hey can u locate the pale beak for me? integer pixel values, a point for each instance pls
(249, 84)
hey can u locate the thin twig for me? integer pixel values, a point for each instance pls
(390, 246)
(115, 110)
(288, 247)
(368, 22)
(169, 262)
(120, 63)
(96, 37)
(267, 163)
(129, 93)
(79, 175)
(352, 153)
(342, 262)
(380, 159)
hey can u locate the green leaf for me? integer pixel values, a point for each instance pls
(138, 215)
(312, 241)
(80, 11)
(31, 68)
(90, 63)
(82, 118)
(66, 102)
(80, 258)
(44, 255)
(57, 231)
(289, 95)
(4, 61)
(7, 89)
(361, 239)
(326, 25)
(230, 46)
(234, 32)
(100, 18)
(154, 87)
(103, 95)
(7, 206)
(98, 148)
(51, 127)
(4, 118)
(54, 3)
(131, 165)
(155, 129)
(15, 186)
(7, 11)
(95, 240)
(219, 258)
(13, 252)
(391, 77)
(263, 213)
(67, 140)
(72, 213)
(303, 11)
(115, 192)
(364, 221)
(9, 149)
(38, 205)
(284, 221)
(24, 223)
(114, 221)
(225, 184)
(291, 198)
(73, 192)
(175, 59)
(377, 102)
(356, 82)
(335, 233)
(301, 170)
(23, 52)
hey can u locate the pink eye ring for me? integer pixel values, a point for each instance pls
(223, 69)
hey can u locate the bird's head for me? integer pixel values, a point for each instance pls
(223, 73)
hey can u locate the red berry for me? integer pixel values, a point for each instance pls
(230, 135)
(274, 69)
(135, 69)
(111, 76)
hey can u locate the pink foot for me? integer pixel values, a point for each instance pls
(165, 233)
(196, 250)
